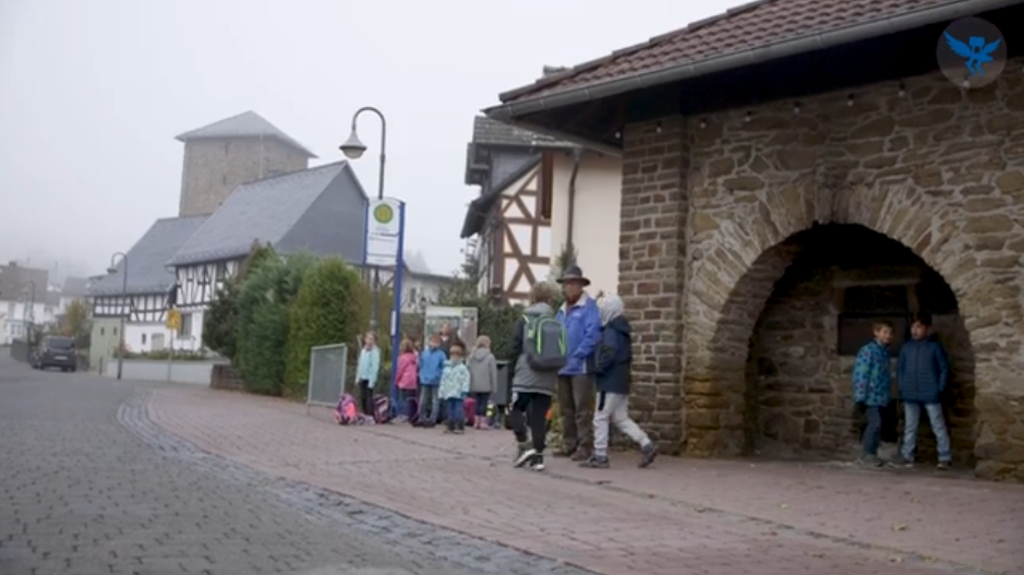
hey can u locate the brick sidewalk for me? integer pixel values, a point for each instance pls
(679, 517)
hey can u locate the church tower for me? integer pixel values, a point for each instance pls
(223, 155)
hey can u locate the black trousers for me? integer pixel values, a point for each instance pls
(366, 397)
(530, 411)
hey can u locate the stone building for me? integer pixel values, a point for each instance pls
(223, 155)
(792, 170)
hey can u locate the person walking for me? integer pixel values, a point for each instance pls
(531, 390)
(614, 361)
(576, 387)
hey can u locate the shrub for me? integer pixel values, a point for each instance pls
(262, 328)
(327, 310)
(220, 322)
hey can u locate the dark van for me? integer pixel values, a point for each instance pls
(56, 351)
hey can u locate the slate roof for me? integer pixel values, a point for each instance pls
(245, 125)
(14, 282)
(264, 211)
(147, 259)
(74, 287)
(490, 132)
(751, 26)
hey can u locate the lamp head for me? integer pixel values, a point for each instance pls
(353, 148)
(112, 270)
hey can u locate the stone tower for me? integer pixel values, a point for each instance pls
(221, 156)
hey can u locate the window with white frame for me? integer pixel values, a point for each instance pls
(186, 325)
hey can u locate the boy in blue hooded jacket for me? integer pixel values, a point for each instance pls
(576, 386)
(923, 372)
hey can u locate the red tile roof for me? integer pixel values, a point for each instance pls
(755, 25)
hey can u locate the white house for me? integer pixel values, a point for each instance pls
(23, 300)
(147, 284)
(420, 286)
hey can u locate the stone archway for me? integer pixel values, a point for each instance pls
(837, 280)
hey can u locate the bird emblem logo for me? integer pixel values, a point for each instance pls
(971, 52)
(975, 51)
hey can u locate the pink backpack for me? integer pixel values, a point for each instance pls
(346, 413)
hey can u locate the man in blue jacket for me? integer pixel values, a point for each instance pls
(923, 372)
(576, 387)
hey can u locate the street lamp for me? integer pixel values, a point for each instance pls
(124, 300)
(31, 311)
(353, 148)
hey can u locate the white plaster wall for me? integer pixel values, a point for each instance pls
(596, 221)
(133, 333)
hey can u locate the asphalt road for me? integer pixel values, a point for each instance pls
(89, 486)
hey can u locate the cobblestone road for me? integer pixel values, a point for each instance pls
(90, 486)
(678, 518)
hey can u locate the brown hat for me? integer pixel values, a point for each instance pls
(573, 273)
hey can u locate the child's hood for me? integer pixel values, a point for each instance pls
(480, 354)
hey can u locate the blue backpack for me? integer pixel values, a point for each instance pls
(544, 343)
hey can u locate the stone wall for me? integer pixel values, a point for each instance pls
(213, 168)
(227, 378)
(707, 203)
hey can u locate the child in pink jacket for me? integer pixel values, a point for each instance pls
(405, 379)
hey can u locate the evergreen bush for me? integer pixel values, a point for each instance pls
(262, 328)
(328, 310)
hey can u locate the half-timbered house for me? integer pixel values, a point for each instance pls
(321, 211)
(512, 215)
(148, 284)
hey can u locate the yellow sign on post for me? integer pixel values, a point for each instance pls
(173, 319)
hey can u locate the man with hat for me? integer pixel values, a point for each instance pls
(576, 386)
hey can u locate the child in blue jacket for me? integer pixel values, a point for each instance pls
(922, 373)
(872, 383)
(432, 362)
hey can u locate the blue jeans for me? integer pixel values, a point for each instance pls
(873, 432)
(912, 419)
(430, 404)
(454, 408)
(405, 406)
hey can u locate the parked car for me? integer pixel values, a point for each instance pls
(56, 351)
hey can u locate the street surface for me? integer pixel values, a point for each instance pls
(107, 477)
(89, 486)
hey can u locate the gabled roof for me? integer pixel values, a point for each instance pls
(16, 282)
(734, 38)
(263, 211)
(245, 125)
(147, 269)
(74, 287)
(490, 132)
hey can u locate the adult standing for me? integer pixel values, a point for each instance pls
(449, 338)
(576, 386)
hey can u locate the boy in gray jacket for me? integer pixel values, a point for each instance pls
(531, 391)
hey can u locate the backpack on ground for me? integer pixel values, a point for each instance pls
(347, 413)
(381, 409)
(469, 407)
(544, 343)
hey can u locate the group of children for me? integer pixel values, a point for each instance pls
(434, 383)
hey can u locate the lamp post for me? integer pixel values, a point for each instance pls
(28, 316)
(124, 301)
(353, 148)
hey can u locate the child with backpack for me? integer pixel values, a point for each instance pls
(367, 372)
(538, 352)
(405, 378)
(454, 388)
(614, 361)
(431, 367)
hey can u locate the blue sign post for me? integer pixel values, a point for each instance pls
(385, 241)
(396, 309)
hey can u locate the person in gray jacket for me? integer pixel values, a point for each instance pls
(483, 379)
(531, 391)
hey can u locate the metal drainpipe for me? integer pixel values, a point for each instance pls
(577, 153)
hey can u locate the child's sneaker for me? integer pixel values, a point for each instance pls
(596, 462)
(871, 461)
(943, 466)
(537, 462)
(647, 454)
(524, 455)
(902, 462)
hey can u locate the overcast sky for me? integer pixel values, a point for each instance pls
(93, 92)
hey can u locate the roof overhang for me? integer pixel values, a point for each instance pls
(615, 101)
